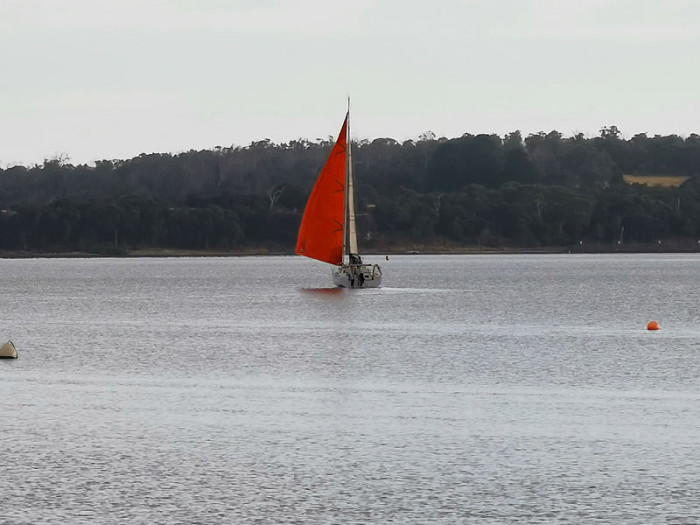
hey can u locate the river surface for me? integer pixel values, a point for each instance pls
(484, 389)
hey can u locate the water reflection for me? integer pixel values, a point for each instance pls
(323, 291)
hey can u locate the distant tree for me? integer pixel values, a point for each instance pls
(546, 189)
(468, 160)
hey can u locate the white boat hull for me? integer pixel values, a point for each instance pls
(8, 351)
(358, 276)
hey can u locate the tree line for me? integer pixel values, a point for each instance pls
(543, 190)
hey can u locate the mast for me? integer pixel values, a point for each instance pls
(350, 244)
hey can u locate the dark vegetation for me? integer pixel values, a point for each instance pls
(477, 190)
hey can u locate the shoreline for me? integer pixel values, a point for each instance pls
(592, 249)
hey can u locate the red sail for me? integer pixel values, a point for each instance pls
(321, 231)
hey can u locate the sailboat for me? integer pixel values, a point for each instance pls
(328, 230)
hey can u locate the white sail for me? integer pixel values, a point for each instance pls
(351, 229)
(353, 273)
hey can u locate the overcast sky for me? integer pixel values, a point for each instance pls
(111, 79)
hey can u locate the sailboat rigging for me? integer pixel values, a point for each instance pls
(328, 229)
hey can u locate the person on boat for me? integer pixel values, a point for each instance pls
(355, 259)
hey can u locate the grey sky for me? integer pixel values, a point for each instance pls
(110, 79)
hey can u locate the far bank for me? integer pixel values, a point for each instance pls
(592, 248)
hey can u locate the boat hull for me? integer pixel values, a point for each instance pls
(8, 351)
(358, 276)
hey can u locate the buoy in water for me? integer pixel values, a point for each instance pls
(653, 325)
(8, 351)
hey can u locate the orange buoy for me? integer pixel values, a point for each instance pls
(653, 325)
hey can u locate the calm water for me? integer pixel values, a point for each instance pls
(470, 389)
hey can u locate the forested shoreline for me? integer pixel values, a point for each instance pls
(544, 191)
